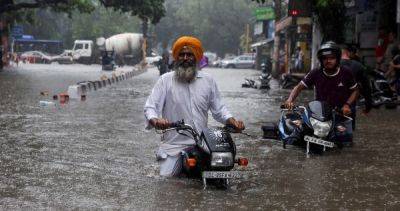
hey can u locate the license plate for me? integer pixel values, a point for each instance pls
(318, 141)
(221, 174)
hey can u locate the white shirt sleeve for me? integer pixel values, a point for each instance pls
(155, 102)
(218, 110)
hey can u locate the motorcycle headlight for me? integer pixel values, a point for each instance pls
(321, 129)
(221, 159)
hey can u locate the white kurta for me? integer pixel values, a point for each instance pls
(174, 101)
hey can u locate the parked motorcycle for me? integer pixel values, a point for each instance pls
(213, 157)
(317, 126)
(263, 79)
(289, 81)
(382, 94)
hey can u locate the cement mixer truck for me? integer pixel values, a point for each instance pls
(127, 49)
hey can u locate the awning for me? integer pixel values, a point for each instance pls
(262, 42)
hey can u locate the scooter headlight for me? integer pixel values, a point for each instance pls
(321, 129)
(221, 159)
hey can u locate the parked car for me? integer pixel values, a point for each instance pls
(153, 59)
(212, 57)
(36, 57)
(64, 58)
(242, 61)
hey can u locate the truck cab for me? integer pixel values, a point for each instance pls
(82, 52)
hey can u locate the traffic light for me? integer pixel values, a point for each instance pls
(294, 13)
(299, 8)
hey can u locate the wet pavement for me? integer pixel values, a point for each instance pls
(96, 154)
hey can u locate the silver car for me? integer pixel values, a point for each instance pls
(242, 61)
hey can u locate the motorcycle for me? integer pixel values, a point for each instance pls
(263, 79)
(213, 156)
(289, 81)
(317, 126)
(382, 94)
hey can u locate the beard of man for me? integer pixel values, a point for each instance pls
(185, 71)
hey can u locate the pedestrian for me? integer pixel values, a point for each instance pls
(164, 62)
(299, 60)
(359, 73)
(188, 94)
(353, 53)
(394, 71)
(388, 56)
(381, 46)
(17, 58)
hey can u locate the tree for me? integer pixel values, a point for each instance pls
(331, 18)
(152, 10)
(218, 24)
(12, 10)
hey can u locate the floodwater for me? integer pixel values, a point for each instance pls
(96, 154)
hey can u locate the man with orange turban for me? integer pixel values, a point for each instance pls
(188, 94)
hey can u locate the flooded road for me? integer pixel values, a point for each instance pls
(96, 154)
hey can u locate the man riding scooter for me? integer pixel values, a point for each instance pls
(333, 84)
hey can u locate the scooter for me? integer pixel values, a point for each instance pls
(317, 126)
(382, 94)
(213, 157)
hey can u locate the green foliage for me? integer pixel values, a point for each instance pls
(146, 9)
(217, 23)
(51, 25)
(152, 10)
(331, 18)
(88, 18)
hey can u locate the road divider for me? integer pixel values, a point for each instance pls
(81, 89)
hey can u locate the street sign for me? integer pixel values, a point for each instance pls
(17, 31)
(264, 13)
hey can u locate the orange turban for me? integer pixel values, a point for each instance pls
(192, 43)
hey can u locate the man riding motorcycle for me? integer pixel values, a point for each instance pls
(188, 94)
(333, 84)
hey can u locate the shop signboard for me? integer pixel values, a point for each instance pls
(264, 13)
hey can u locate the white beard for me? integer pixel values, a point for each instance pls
(185, 74)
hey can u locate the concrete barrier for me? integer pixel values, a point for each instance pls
(94, 85)
(99, 84)
(80, 89)
(75, 91)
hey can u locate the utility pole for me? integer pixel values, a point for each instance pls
(275, 59)
(247, 37)
(144, 45)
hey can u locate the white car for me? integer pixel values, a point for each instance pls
(242, 61)
(153, 59)
(36, 57)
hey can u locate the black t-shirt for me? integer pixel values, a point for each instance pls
(396, 61)
(334, 89)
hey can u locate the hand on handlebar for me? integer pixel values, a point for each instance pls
(160, 124)
(346, 110)
(288, 105)
(238, 125)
